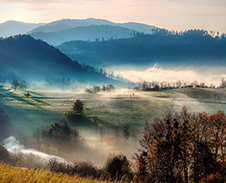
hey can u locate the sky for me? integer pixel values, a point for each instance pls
(170, 14)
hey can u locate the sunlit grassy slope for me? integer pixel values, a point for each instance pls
(11, 174)
(110, 108)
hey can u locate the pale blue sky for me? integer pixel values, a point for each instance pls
(170, 14)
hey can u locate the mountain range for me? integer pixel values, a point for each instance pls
(85, 33)
(65, 24)
(60, 31)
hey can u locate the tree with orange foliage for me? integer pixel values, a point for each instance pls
(182, 147)
(168, 148)
(218, 130)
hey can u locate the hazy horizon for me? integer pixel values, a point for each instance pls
(172, 15)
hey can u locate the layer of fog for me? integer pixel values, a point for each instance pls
(13, 146)
(208, 75)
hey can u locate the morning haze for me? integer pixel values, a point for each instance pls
(112, 91)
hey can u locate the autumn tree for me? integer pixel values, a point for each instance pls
(184, 146)
(168, 145)
(218, 133)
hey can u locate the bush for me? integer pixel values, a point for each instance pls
(83, 169)
(117, 168)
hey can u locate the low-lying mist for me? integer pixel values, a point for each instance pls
(208, 75)
(13, 146)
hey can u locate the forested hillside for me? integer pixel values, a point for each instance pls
(193, 47)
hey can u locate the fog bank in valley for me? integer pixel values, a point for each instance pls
(207, 75)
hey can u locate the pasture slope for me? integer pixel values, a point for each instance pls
(111, 109)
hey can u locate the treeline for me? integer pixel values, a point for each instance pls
(188, 33)
(97, 89)
(156, 86)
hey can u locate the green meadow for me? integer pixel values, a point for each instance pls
(111, 109)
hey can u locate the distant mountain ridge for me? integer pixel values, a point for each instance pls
(65, 24)
(58, 32)
(11, 28)
(72, 23)
(85, 33)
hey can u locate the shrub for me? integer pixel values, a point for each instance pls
(117, 168)
(83, 169)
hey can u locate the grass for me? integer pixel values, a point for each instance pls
(110, 109)
(20, 175)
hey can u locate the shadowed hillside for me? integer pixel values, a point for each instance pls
(23, 57)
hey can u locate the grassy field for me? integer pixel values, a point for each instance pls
(110, 108)
(20, 175)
